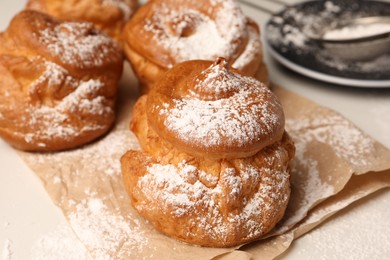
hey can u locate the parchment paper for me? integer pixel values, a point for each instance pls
(335, 165)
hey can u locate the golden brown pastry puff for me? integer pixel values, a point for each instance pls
(213, 170)
(58, 82)
(163, 33)
(108, 15)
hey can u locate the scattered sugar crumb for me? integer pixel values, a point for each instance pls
(57, 180)
(7, 252)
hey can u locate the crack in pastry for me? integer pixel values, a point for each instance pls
(58, 83)
(207, 187)
(164, 33)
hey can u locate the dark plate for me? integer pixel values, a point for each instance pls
(289, 44)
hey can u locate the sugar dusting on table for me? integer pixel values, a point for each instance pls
(59, 244)
(315, 189)
(102, 227)
(348, 142)
(104, 155)
(104, 232)
(371, 238)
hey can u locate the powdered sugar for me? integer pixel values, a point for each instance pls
(79, 99)
(212, 122)
(279, 33)
(253, 48)
(181, 194)
(169, 179)
(84, 183)
(346, 140)
(104, 154)
(376, 65)
(239, 118)
(52, 116)
(60, 244)
(321, 213)
(53, 76)
(77, 44)
(356, 31)
(53, 121)
(314, 188)
(190, 34)
(102, 230)
(292, 28)
(216, 82)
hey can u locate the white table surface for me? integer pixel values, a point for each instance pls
(27, 214)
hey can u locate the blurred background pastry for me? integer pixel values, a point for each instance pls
(108, 15)
(58, 82)
(163, 33)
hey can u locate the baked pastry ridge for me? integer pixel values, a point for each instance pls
(214, 198)
(216, 112)
(164, 33)
(58, 82)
